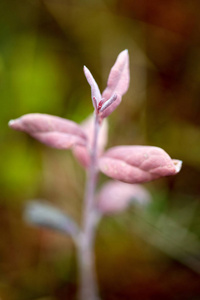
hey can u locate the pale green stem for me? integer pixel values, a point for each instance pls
(88, 283)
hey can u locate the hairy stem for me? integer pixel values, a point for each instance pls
(88, 283)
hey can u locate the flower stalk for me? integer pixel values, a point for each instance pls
(88, 283)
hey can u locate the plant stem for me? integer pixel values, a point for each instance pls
(88, 283)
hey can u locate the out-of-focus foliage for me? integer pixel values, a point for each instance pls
(43, 47)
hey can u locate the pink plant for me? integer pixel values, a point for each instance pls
(128, 164)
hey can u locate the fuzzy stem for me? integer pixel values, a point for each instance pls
(88, 284)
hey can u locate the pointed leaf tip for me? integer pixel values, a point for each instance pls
(124, 53)
(11, 122)
(178, 165)
(85, 70)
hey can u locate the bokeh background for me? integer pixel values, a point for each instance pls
(152, 253)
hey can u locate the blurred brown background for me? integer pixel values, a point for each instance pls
(151, 254)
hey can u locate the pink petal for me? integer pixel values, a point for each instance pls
(136, 164)
(118, 80)
(116, 196)
(95, 92)
(82, 152)
(50, 130)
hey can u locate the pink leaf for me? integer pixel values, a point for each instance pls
(95, 92)
(116, 196)
(82, 152)
(50, 130)
(136, 164)
(118, 81)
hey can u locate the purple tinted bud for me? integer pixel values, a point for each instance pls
(108, 103)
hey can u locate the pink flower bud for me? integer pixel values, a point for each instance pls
(50, 130)
(136, 164)
(116, 196)
(82, 153)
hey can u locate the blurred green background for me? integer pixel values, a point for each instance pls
(150, 254)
